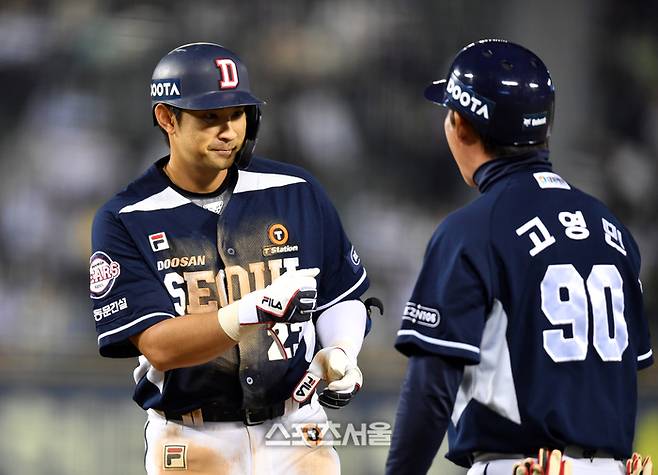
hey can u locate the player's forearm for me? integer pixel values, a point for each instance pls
(195, 339)
(426, 403)
(343, 325)
(184, 341)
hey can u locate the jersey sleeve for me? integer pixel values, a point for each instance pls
(645, 357)
(342, 276)
(126, 295)
(449, 304)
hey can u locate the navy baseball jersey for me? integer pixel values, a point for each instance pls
(535, 287)
(159, 252)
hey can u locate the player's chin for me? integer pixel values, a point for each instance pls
(220, 159)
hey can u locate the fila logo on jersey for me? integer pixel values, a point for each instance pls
(165, 88)
(469, 101)
(425, 316)
(229, 73)
(175, 457)
(103, 272)
(158, 241)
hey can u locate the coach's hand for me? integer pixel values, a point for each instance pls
(548, 462)
(638, 466)
(290, 298)
(343, 376)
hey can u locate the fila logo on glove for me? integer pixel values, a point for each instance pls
(271, 303)
(306, 387)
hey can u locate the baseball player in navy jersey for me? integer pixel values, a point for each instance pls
(232, 281)
(525, 328)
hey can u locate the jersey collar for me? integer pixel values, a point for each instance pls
(493, 170)
(228, 183)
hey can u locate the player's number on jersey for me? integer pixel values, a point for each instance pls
(286, 340)
(564, 301)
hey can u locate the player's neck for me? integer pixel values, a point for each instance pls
(194, 179)
(469, 159)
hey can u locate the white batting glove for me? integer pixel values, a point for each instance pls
(343, 376)
(548, 462)
(636, 466)
(290, 298)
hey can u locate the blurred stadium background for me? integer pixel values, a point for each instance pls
(343, 80)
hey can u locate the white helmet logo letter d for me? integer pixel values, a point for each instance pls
(229, 73)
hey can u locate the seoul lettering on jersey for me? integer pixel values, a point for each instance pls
(192, 293)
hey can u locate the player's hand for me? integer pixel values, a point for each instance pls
(548, 462)
(638, 466)
(343, 376)
(290, 298)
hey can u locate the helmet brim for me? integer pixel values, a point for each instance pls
(220, 99)
(435, 92)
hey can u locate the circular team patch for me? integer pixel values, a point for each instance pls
(103, 271)
(278, 234)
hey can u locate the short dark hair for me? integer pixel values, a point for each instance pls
(178, 113)
(497, 150)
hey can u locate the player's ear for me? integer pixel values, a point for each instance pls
(166, 118)
(465, 131)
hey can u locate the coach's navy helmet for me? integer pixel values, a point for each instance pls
(202, 76)
(503, 89)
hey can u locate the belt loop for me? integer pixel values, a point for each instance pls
(197, 417)
(193, 418)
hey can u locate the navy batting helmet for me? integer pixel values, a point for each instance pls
(202, 76)
(503, 89)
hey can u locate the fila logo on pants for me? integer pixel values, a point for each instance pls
(175, 457)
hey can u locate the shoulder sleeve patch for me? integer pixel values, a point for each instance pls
(103, 272)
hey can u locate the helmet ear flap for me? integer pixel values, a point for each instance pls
(243, 157)
(253, 121)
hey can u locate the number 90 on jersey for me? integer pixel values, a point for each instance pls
(564, 301)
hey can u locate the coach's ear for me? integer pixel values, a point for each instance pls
(464, 131)
(166, 118)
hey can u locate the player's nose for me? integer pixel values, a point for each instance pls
(226, 132)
